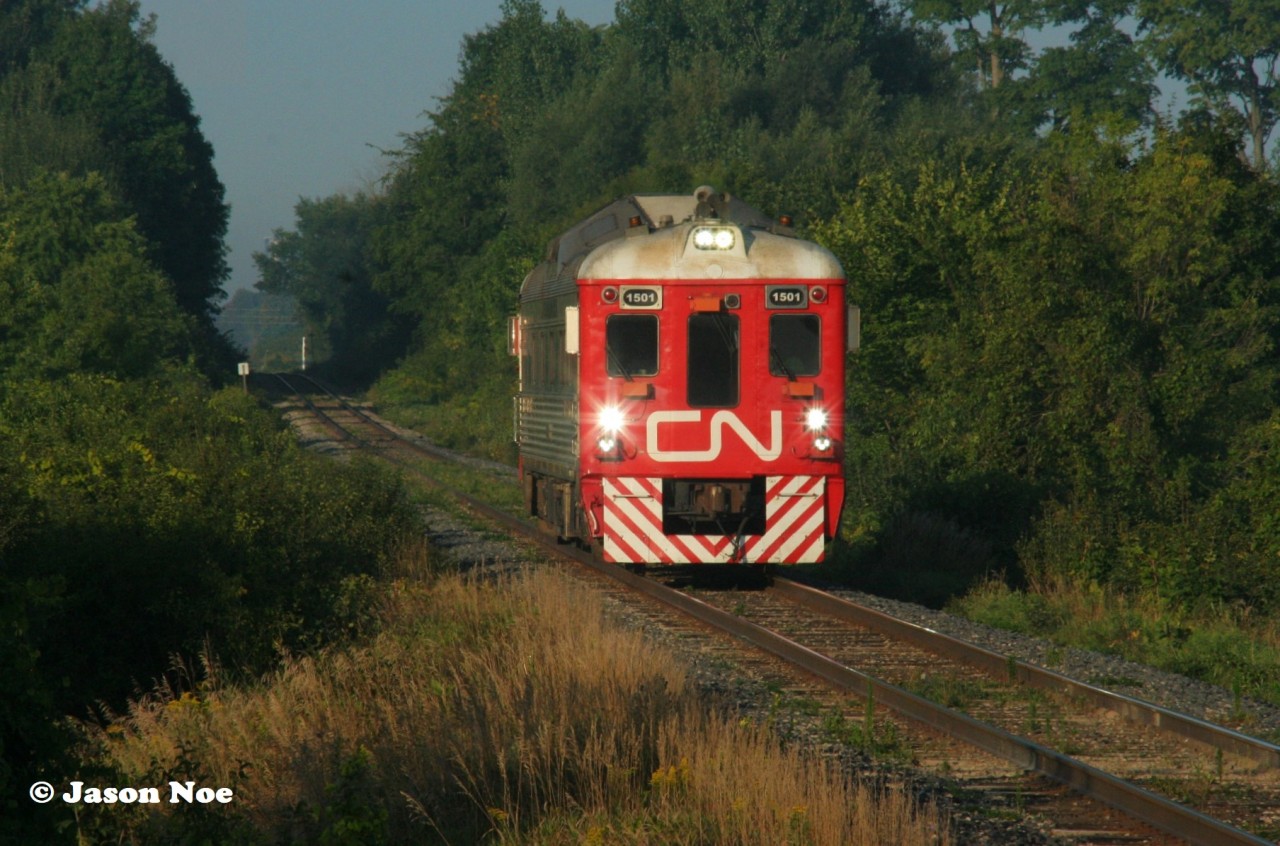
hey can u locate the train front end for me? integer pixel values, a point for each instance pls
(711, 369)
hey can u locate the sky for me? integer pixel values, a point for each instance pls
(298, 97)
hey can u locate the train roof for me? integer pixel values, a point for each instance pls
(588, 249)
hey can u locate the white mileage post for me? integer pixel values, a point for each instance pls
(243, 369)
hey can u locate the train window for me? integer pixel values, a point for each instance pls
(555, 361)
(540, 355)
(535, 357)
(794, 348)
(713, 359)
(631, 345)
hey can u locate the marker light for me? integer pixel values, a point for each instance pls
(606, 443)
(714, 238)
(822, 443)
(815, 419)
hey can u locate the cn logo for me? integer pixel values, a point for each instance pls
(719, 421)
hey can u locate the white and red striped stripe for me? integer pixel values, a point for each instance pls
(795, 516)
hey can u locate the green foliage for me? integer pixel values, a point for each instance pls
(549, 120)
(30, 742)
(108, 561)
(242, 541)
(1101, 72)
(354, 815)
(1218, 643)
(36, 137)
(476, 421)
(995, 604)
(1087, 332)
(327, 268)
(77, 290)
(759, 37)
(155, 518)
(1229, 53)
(85, 94)
(159, 161)
(26, 24)
(987, 33)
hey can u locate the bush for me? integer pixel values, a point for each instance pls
(154, 519)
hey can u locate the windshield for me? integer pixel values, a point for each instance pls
(794, 348)
(631, 344)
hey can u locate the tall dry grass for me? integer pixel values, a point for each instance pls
(504, 709)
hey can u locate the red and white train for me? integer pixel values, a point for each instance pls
(682, 371)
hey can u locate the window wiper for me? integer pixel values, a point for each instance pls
(782, 365)
(617, 362)
(727, 335)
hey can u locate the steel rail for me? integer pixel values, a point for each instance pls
(1158, 812)
(1163, 814)
(325, 418)
(430, 452)
(1130, 708)
(333, 396)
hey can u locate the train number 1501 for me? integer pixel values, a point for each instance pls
(641, 297)
(786, 296)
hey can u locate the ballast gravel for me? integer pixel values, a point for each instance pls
(471, 548)
(989, 820)
(1172, 691)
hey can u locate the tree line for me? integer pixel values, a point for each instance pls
(1069, 294)
(150, 518)
(787, 105)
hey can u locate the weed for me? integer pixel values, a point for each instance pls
(1107, 681)
(879, 740)
(1220, 645)
(947, 690)
(507, 710)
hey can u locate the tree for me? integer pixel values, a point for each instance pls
(35, 136)
(85, 91)
(78, 291)
(447, 197)
(181, 521)
(159, 162)
(1228, 52)
(1068, 356)
(1102, 72)
(27, 24)
(782, 102)
(511, 71)
(992, 44)
(326, 266)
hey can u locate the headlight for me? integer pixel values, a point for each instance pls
(816, 419)
(822, 443)
(606, 443)
(611, 419)
(714, 238)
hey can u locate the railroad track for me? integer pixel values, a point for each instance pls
(1175, 777)
(1129, 754)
